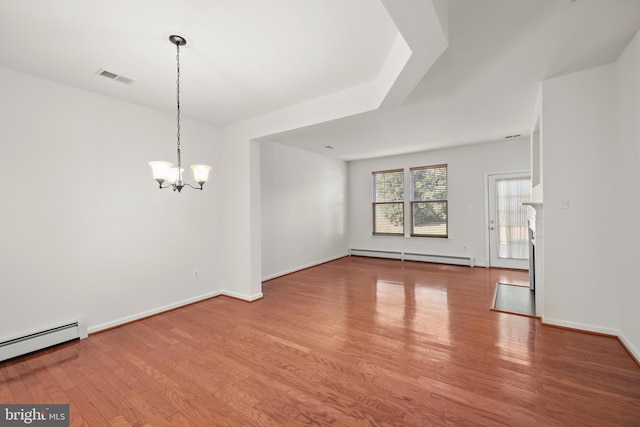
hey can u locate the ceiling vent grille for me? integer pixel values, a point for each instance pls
(114, 76)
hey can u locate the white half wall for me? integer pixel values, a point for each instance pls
(84, 229)
(304, 209)
(467, 168)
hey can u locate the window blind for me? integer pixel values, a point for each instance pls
(429, 201)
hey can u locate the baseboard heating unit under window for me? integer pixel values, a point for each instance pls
(410, 256)
(42, 339)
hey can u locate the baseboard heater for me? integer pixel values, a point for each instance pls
(410, 256)
(376, 254)
(42, 339)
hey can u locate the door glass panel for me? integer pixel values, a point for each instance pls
(513, 232)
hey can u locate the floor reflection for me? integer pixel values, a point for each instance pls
(512, 344)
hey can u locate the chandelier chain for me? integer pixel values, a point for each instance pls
(178, 90)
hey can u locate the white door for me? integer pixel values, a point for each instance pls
(508, 228)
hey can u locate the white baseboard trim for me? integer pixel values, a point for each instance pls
(158, 310)
(624, 341)
(580, 326)
(243, 297)
(302, 267)
(630, 348)
(142, 315)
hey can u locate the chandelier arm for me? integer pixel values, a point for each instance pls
(196, 188)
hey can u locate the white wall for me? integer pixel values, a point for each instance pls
(84, 229)
(591, 129)
(580, 164)
(467, 169)
(304, 209)
(627, 200)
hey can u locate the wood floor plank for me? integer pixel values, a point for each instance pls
(16, 386)
(354, 342)
(5, 392)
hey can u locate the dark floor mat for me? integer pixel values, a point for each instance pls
(515, 299)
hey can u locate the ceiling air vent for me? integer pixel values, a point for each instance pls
(114, 76)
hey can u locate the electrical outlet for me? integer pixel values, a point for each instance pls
(196, 273)
(464, 247)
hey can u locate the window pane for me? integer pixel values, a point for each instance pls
(429, 219)
(388, 218)
(429, 183)
(513, 231)
(388, 186)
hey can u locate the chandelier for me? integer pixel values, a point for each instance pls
(164, 171)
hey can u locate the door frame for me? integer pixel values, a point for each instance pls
(487, 233)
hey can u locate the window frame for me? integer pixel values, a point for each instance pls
(375, 203)
(413, 202)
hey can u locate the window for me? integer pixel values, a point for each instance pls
(388, 202)
(429, 201)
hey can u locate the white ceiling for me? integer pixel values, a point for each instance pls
(484, 86)
(246, 58)
(243, 57)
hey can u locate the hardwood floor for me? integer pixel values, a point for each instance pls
(358, 341)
